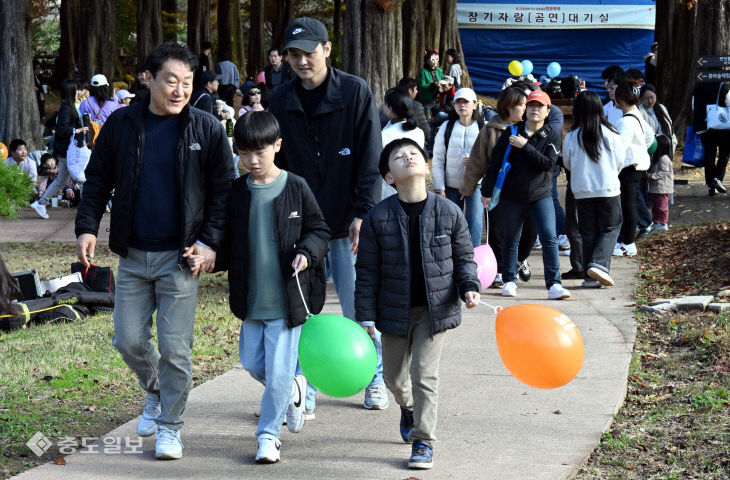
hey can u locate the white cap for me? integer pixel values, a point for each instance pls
(122, 94)
(98, 80)
(465, 93)
(447, 80)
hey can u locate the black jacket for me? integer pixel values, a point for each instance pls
(205, 173)
(382, 285)
(65, 126)
(531, 176)
(300, 228)
(286, 74)
(337, 152)
(203, 100)
(704, 94)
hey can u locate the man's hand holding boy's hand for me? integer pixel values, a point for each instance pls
(299, 264)
(370, 329)
(472, 299)
(207, 255)
(195, 262)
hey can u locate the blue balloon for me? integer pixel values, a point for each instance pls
(526, 67)
(553, 69)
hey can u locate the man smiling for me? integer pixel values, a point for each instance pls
(171, 169)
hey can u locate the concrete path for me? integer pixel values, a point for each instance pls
(490, 425)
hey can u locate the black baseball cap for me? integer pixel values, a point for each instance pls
(305, 34)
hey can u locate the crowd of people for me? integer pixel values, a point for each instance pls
(335, 186)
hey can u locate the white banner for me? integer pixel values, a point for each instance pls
(510, 15)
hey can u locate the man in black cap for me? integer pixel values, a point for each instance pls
(203, 98)
(331, 132)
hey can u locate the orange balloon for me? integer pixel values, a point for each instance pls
(539, 345)
(3, 152)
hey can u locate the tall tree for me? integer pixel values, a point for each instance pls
(230, 32)
(97, 52)
(256, 47)
(169, 20)
(685, 31)
(66, 60)
(284, 16)
(198, 23)
(18, 106)
(369, 23)
(149, 26)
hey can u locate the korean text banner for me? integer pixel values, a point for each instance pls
(503, 15)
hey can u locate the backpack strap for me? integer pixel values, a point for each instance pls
(637, 119)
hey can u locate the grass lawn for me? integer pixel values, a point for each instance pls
(66, 379)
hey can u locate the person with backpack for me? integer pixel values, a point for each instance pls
(101, 103)
(451, 151)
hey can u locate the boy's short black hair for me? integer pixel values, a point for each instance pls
(383, 163)
(256, 131)
(609, 72)
(15, 143)
(170, 51)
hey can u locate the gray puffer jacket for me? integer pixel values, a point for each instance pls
(382, 288)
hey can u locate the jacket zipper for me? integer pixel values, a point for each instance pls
(135, 182)
(425, 283)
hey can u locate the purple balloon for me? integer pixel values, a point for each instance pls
(486, 265)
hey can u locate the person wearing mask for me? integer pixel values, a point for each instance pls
(428, 79)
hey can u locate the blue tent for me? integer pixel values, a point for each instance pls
(583, 36)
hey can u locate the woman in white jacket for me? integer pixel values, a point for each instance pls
(638, 135)
(594, 153)
(450, 159)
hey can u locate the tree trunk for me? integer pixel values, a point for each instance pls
(169, 20)
(684, 34)
(18, 106)
(69, 24)
(230, 33)
(414, 37)
(198, 23)
(149, 27)
(256, 48)
(284, 16)
(370, 23)
(337, 26)
(97, 51)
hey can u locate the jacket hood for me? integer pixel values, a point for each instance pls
(497, 122)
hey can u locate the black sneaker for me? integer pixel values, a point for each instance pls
(573, 274)
(524, 271)
(421, 455)
(406, 423)
(711, 191)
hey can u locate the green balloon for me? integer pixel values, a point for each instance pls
(336, 355)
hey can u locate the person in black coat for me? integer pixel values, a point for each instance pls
(716, 142)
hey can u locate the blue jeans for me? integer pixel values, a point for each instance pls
(474, 212)
(341, 264)
(268, 351)
(149, 281)
(543, 214)
(559, 212)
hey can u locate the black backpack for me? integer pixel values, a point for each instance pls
(450, 127)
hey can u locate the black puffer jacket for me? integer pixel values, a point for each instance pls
(382, 288)
(300, 228)
(65, 126)
(531, 177)
(204, 173)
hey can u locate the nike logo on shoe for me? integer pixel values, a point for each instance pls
(298, 403)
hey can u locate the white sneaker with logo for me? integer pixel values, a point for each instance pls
(269, 449)
(295, 410)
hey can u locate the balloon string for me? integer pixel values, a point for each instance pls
(296, 275)
(496, 309)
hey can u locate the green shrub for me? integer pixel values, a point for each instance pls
(16, 190)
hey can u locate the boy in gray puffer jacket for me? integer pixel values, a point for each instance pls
(414, 264)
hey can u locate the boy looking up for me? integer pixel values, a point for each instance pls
(276, 231)
(413, 264)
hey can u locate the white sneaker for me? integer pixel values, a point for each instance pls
(269, 449)
(376, 397)
(309, 415)
(618, 250)
(39, 209)
(147, 425)
(557, 292)
(600, 276)
(168, 445)
(590, 283)
(629, 250)
(295, 410)
(509, 289)
(563, 242)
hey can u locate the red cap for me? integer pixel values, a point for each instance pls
(539, 96)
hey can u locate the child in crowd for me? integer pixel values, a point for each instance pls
(276, 231)
(661, 183)
(414, 262)
(47, 173)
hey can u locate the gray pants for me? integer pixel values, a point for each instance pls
(149, 281)
(415, 359)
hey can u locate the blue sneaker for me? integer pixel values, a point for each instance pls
(421, 455)
(406, 423)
